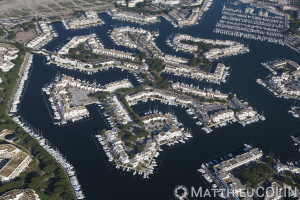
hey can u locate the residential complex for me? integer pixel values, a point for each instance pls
(7, 54)
(14, 162)
(47, 33)
(132, 17)
(239, 160)
(91, 18)
(18, 194)
(143, 162)
(221, 48)
(284, 81)
(219, 75)
(208, 93)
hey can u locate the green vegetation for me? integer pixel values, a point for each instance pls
(201, 98)
(156, 66)
(15, 184)
(196, 61)
(83, 54)
(271, 160)
(2, 32)
(143, 7)
(294, 23)
(130, 138)
(199, 60)
(287, 180)
(99, 95)
(131, 111)
(142, 133)
(201, 45)
(289, 173)
(52, 181)
(286, 68)
(141, 147)
(132, 37)
(11, 35)
(142, 55)
(131, 155)
(230, 96)
(257, 174)
(27, 25)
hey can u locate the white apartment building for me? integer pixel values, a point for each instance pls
(41, 39)
(91, 19)
(240, 160)
(132, 3)
(7, 54)
(245, 113)
(167, 2)
(113, 86)
(20, 194)
(18, 161)
(223, 115)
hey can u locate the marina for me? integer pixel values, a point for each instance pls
(251, 22)
(76, 143)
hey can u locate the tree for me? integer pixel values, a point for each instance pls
(102, 131)
(50, 168)
(289, 173)
(257, 174)
(131, 155)
(58, 190)
(156, 65)
(121, 134)
(141, 147)
(2, 32)
(35, 181)
(99, 95)
(142, 133)
(12, 35)
(297, 176)
(287, 180)
(131, 138)
(142, 55)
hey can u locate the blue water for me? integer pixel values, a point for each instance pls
(177, 165)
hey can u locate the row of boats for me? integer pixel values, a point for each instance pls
(295, 111)
(250, 25)
(21, 85)
(253, 120)
(273, 91)
(209, 177)
(54, 153)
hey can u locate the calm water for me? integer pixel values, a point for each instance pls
(178, 164)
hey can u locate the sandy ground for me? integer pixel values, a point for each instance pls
(23, 37)
(9, 8)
